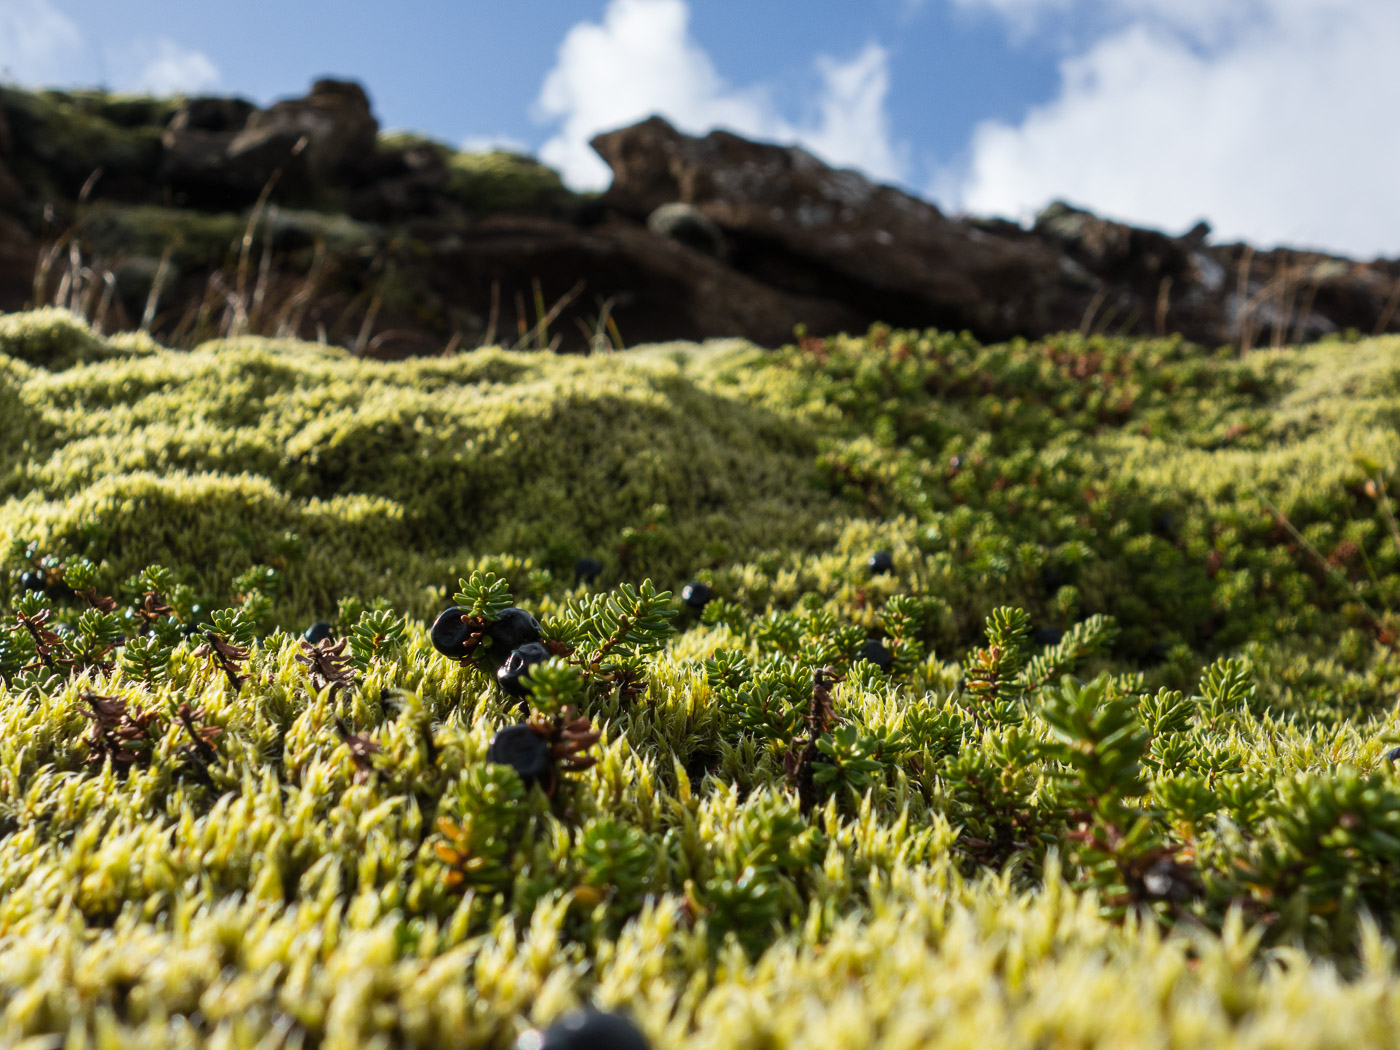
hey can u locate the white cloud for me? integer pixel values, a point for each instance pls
(38, 44)
(163, 67)
(641, 60)
(1277, 127)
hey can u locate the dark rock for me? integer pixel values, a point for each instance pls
(223, 152)
(697, 238)
(799, 225)
(589, 1030)
(334, 121)
(688, 225)
(212, 114)
(19, 259)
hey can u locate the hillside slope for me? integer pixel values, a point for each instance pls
(1112, 773)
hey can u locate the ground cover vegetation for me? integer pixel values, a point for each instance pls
(884, 691)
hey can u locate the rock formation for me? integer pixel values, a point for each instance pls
(210, 214)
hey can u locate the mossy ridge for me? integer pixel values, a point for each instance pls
(476, 454)
(502, 181)
(880, 917)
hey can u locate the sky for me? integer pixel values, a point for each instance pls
(1273, 120)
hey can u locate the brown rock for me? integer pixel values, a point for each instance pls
(19, 258)
(334, 122)
(656, 289)
(11, 192)
(195, 163)
(810, 229)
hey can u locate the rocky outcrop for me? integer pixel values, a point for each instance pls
(211, 214)
(795, 223)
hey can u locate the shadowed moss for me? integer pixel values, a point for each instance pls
(67, 137)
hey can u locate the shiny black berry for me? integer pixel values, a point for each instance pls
(513, 673)
(318, 632)
(880, 563)
(696, 595)
(32, 581)
(509, 631)
(524, 750)
(1392, 755)
(875, 652)
(588, 569)
(450, 632)
(589, 1030)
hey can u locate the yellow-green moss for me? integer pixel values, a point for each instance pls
(503, 181)
(281, 895)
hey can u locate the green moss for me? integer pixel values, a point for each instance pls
(55, 340)
(115, 231)
(66, 138)
(501, 181)
(146, 230)
(1009, 840)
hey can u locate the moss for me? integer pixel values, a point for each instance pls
(66, 138)
(501, 182)
(195, 238)
(113, 231)
(482, 452)
(55, 340)
(1010, 839)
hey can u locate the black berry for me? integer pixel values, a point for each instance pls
(450, 632)
(1392, 755)
(32, 581)
(588, 569)
(592, 1030)
(524, 750)
(880, 563)
(696, 595)
(318, 632)
(512, 629)
(513, 673)
(875, 652)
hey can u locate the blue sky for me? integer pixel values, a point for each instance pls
(1270, 118)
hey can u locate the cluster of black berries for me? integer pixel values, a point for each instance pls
(514, 647)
